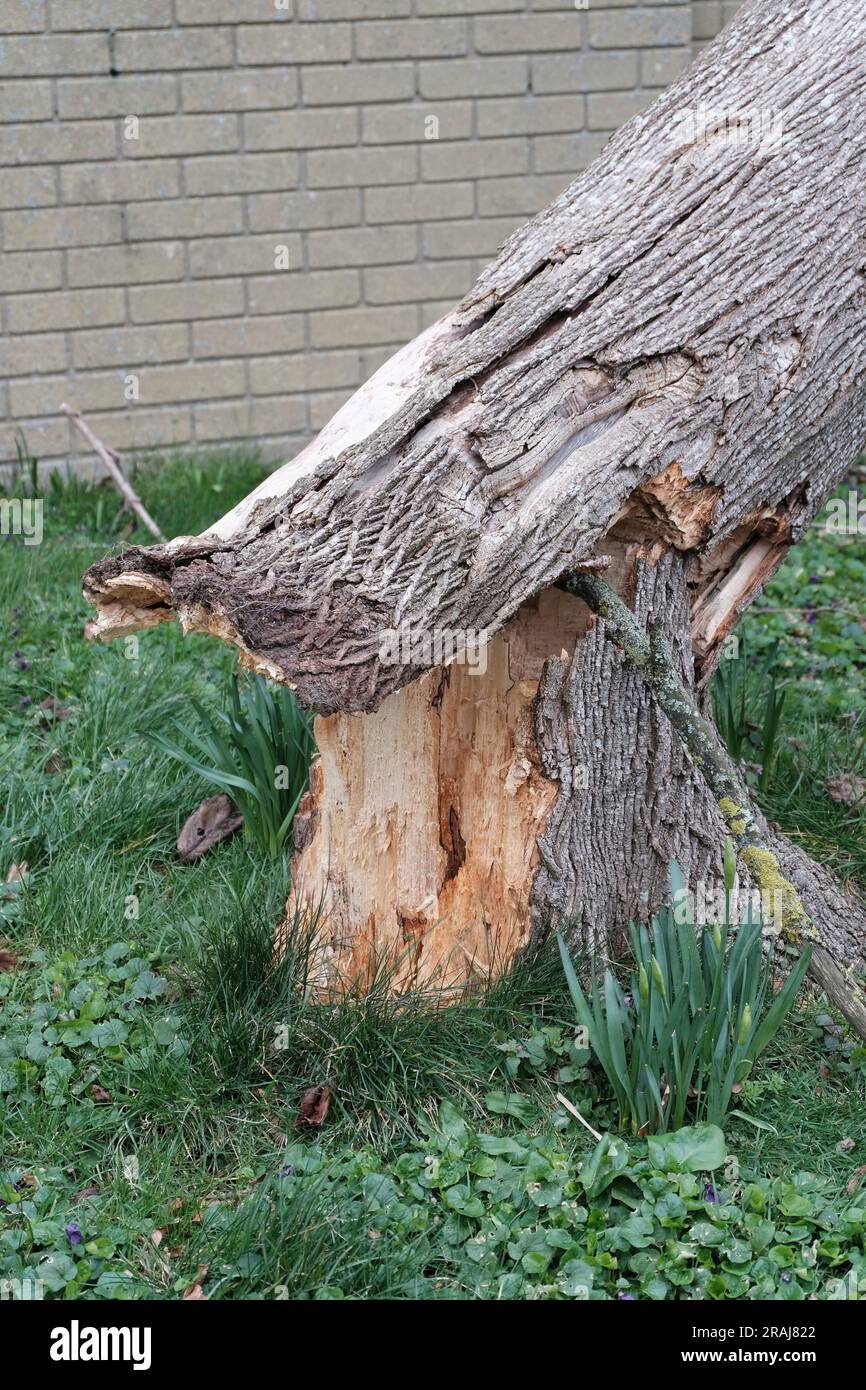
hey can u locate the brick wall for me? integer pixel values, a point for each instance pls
(165, 161)
(709, 17)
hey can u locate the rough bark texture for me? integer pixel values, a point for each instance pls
(669, 362)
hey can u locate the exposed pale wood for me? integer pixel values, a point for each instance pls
(422, 820)
(112, 464)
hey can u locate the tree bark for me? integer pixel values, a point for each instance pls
(666, 368)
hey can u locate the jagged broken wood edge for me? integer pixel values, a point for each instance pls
(675, 348)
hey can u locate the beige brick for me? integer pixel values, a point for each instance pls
(610, 110)
(37, 313)
(384, 125)
(354, 168)
(531, 115)
(186, 217)
(201, 381)
(529, 33)
(85, 98)
(142, 264)
(485, 77)
(137, 428)
(375, 357)
(25, 101)
(22, 17)
(301, 130)
(221, 420)
(471, 7)
(155, 51)
(354, 9)
(434, 310)
(119, 182)
(159, 136)
(358, 85)
(706, 18)
(298, 211)
(661, 66)
(45, 439)
(108, 14)
(56, 144)
(209, 299)
(37, 352)
(20, 188)
(482, 159)
(130, 347)
(229, 12)
(362, 246)
(729, 9)
(362, 327)
(648, 28)
(28, 397)
(243, 255)
(584, 72)
(57, 227)
(280, 294)
(476, 238)
(421, 203)
(267, 44)
(247, 337)
(565, 154)
(324, 406)
(593, 143)
(46, 55)
(406, 284)
(277, 415)
(507, 197)
(244, 173)
(413, 38)
(243, 89)
(273, 376)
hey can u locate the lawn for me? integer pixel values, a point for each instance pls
(154, 1058)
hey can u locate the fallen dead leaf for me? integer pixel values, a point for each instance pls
(54, 709)
(214, 820)
(195, 1292)
(54, 763)
(314, 1106)
(8, 960)
(845, 1146)
(156, 1236)
(847, 789)
(84, 1192)
(99, 1093)
(855, 1180)
(18, 872)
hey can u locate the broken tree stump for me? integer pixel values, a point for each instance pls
(666, 368)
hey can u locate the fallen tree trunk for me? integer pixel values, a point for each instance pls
(665, 372)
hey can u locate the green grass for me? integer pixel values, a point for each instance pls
(204, 1070)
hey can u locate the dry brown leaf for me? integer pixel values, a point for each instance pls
(156, 1236)
(855, 1180)
(17, 872)
(84, 1192)
(8, 960)
(847, 788)
(314, 1106)
(99, 1093)
(54, 763)
(845, 1145)
(54, 708)
(214, 820)
(195, 1291)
